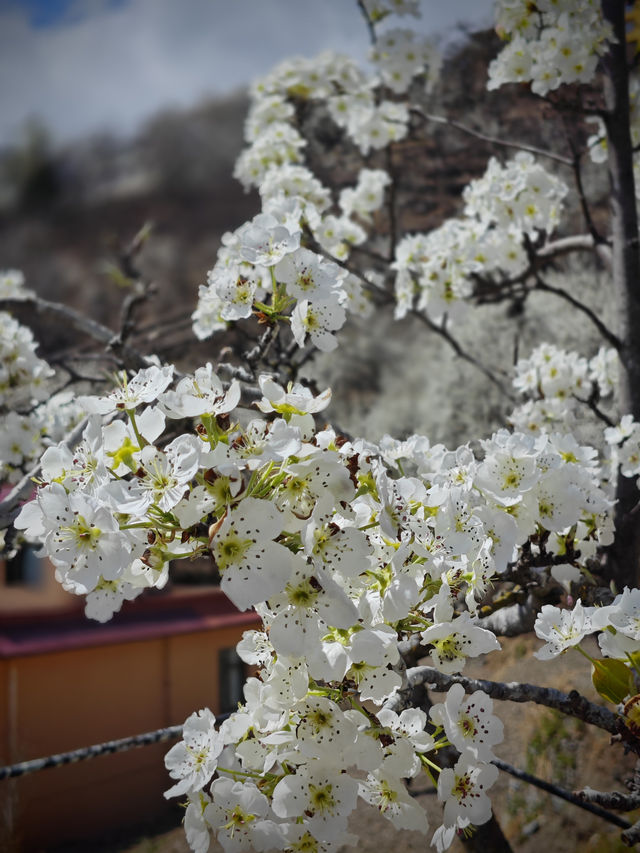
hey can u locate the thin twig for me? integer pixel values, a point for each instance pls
(591, 404)
(557, 791)
(493, 140)
(128, 356)
(577, 176)
(263, 346)
(606, 333)
(370, 25)
(391, 205)
(387, 297)
(463, 354)
(108, 748)
(137, 296)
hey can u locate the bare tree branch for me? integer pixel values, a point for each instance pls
(584, 204)
(128, 356)
(606, 333)
(576, 243)
(631, 837)
(463, 354)
(610, 799)
(557, 791)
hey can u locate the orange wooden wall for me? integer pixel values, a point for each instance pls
(55, 701)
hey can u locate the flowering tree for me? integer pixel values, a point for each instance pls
(363, 558)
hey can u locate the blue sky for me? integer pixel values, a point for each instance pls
(45, 13)
(88, 65)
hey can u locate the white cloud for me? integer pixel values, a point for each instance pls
(106, 67)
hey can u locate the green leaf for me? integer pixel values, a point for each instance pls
(612, 679)
(634, 658)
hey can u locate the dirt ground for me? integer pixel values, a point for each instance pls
(537, 740)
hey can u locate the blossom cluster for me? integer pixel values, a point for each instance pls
(22, 372)
(506, 205)
(401, 55)
(618, 628)
(549, 43)
(557, 383)
(29, 413)
(343, 548)
(624, 443)
(293, 197)
(263, 257)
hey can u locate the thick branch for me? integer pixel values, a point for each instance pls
(576, 243)
(572, 704)
(625, 553)
(631, 836)
(610, 799)
(511, 621)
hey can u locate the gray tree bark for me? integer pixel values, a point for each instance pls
(624, 562)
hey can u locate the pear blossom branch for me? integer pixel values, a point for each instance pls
(493, 140)
(573, 704)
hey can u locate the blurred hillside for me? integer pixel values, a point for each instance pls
(66, 215)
